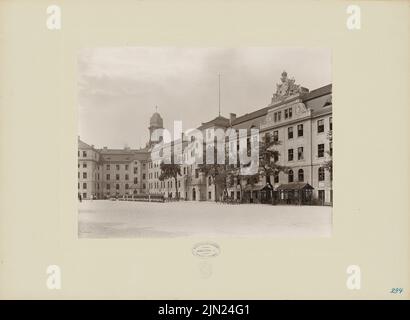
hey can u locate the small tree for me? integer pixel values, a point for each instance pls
(268, 162)
(170, 171)
(329, 163)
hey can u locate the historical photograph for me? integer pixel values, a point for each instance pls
(216, 142)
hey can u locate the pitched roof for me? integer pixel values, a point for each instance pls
(83, 145)
(305, 97)
(218, 121)
(318, 92)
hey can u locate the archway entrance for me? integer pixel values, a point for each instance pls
(193, 194)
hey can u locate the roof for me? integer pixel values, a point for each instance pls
(123, 155)
(318, 92)
(322, 91)
(252, 115)
(83, 145)
(258, 187)
(295, 186)
(218, 121)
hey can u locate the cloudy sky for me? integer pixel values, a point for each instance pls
(120, 87)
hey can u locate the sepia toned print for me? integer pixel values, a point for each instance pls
(266, 172)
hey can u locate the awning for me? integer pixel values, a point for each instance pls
(295, 186)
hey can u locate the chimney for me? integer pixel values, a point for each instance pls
(232, 117)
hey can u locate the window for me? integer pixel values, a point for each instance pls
(196, 173)
(267, 137)
(78, 185)
(126, 186)
(85, 165)
(84, 175)
(330, 124)
(275, 117)
(85, 195)
(179, 184)
(84, 154)
(300, 130)
(143, 176)
(276, 177)
(108, 186)
(78, 175)
(331, 148)
(301, 175)
(108, 177)
(321, 174)
(300, 153)
(279, 115)
(184, 170)
(276, 135)
(126, 177)
(78, 153)
(135, 180)
(290, 154)
(117, 177)
(117, 186)
(135, 170)
(84, 185)
(209, 180)
(320, 126)
(126, 167)
(107, 167)
(320, 150)
(209, 195)
(117, 167)
(290, 133)
(288, 113)
(290, 176)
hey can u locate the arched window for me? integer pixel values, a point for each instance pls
(301, 176)
(209, 180)
(321, 174)
(290, 176)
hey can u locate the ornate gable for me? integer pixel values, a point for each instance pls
(287, 88)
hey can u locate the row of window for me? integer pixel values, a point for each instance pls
(320, 152)
(301, 175)
(278, 115)
(161, 184)
(299, 127)
(321, 125)
(153, 175)
(108, 186)
(300, 154)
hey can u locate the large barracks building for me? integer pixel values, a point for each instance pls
(300, 119)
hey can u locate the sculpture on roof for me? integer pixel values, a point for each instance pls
(287, 88)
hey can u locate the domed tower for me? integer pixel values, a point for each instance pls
(155, 122)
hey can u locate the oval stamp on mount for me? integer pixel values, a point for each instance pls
(206, 249)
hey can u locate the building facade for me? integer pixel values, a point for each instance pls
(299, 119)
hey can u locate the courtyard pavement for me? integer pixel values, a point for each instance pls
(126, 219)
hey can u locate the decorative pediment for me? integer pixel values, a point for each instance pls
(287, 88)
